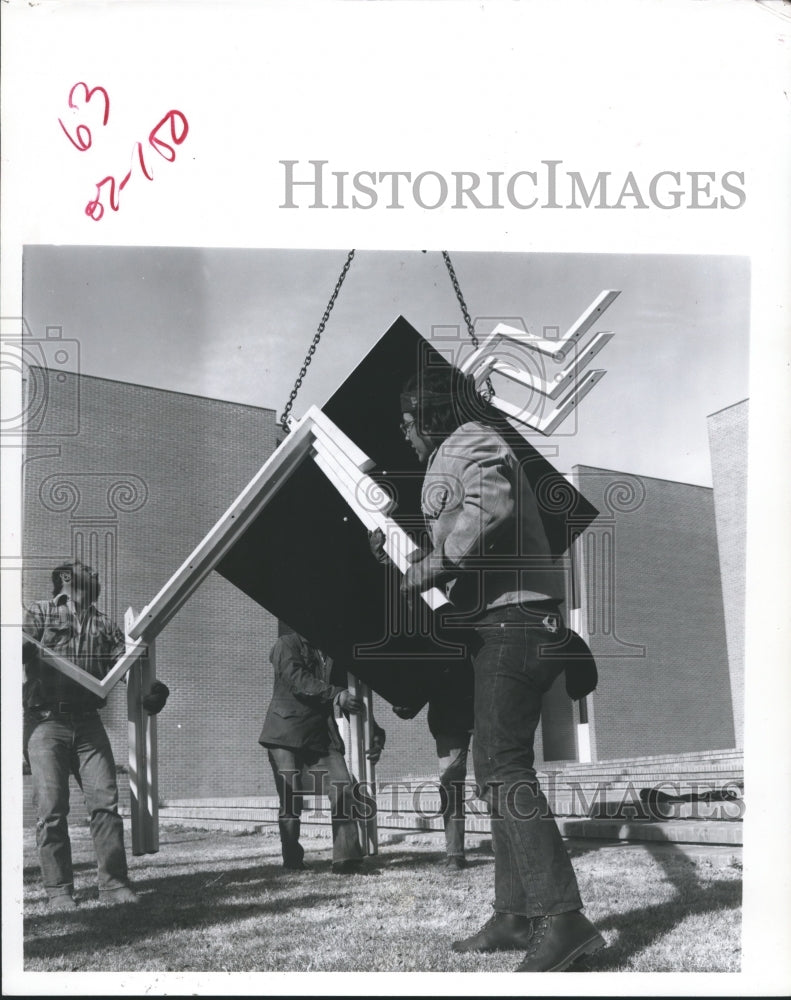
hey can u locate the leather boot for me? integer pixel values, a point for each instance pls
(501, 932)
(123, 894)
(63, 901)
(558, 941)
(454, 863)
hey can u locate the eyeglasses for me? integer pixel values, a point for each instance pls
(406, 428)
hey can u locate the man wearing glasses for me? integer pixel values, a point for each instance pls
(490, 550)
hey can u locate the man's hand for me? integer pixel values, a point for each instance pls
(351, 704)
(405, 711)
(154, 701)
(376, 540)
(424, 570)
(377, 745)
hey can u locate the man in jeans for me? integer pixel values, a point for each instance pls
(306, 751)
(450, 722)
(489, 543)
(64, 735)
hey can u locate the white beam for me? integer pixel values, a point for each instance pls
(555, 348)
(553, 384)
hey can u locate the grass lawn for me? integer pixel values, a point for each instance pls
(221, 902)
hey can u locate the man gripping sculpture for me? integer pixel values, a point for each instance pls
(490, 551)
(64, 735)
(306, 751)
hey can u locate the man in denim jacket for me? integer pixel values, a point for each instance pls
(490, 551)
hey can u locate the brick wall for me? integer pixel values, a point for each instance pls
(132, 493)
(728, 443)
(653, 615)
(146, 476)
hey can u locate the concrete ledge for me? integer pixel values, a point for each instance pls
(406, 825)
(674, 832)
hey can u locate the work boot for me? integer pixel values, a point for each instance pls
(352, 866)
(123, 894)
(560, 940)
(501, 932)
(454, 863)
(296, 866)
(63, 901)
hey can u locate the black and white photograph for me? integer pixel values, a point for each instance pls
(238, 519)
(397, 607)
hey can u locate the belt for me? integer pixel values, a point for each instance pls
(64, 708)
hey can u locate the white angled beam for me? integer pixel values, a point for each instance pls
(398, 544)
(369, 495)
(119, 669)
(342, 462)
(65, 666)
(555, 348)
(234, 522)
(137, 748)
(142, 732)
(150, 812)
(323, 426)
(240, 515)
(370, 518)
(553, 385)
(100, 687)
(549, 422)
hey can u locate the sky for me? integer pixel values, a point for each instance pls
(235, 324)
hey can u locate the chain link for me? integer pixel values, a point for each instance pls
(312, 349)
(460, 297)
(465, 313)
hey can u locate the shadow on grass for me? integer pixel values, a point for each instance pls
(173, 903)
(640, 928)
(32, 873)
(416, 861)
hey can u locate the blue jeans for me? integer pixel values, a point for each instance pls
(532, 872)
(452, 752)
(308, 772)
(57, 746)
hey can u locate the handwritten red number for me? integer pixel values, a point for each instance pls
(139, 147)
(177, 126)
(95, 206)
(83, 133)
(81, 143)
(88, 95)
(174, 119)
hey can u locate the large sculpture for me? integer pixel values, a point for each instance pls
(295, 539)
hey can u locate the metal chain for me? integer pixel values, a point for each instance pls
(460, 297)
(312, 350)
(465, 314)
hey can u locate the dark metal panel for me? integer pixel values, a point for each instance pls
(306, 557)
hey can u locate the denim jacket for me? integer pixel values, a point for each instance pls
(484, 523)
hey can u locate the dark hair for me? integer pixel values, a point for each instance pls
(444, 399)
(79, 571)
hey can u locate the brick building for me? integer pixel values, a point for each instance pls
(651, 610)
(133, 485)
(728, 444)
(131, 478)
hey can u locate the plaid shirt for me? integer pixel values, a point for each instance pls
(91, 641)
